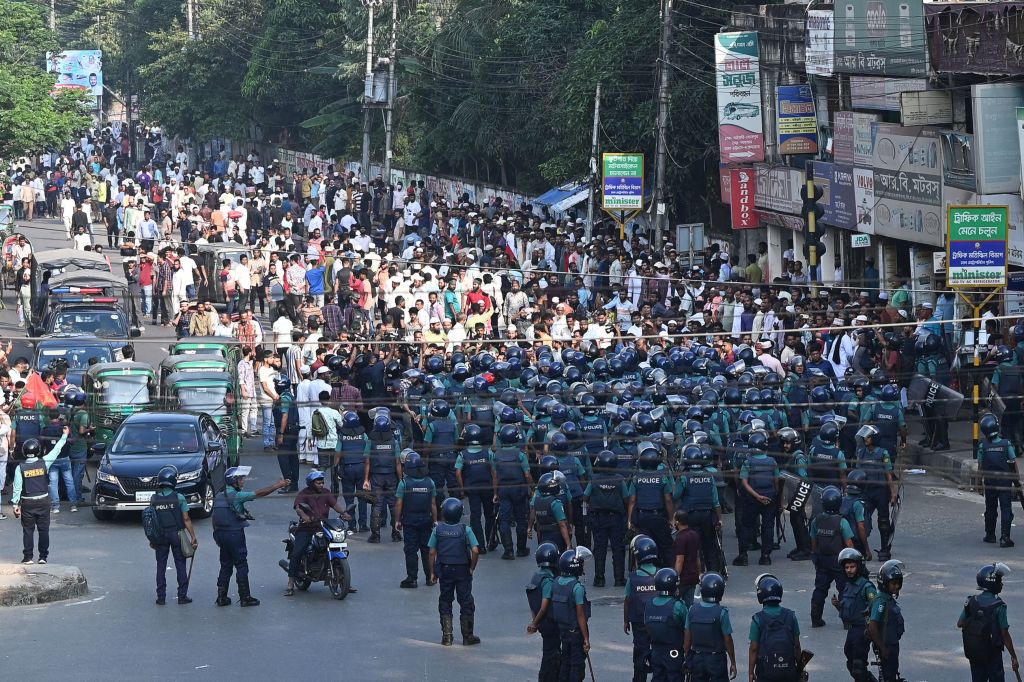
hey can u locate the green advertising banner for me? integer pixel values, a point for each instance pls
(623, 181)
(880, 37)
(976, 246)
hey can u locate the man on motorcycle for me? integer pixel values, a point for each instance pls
(313, 504)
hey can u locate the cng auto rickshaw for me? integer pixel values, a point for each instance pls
(230, 350)
(211, 392)
(195, 363)
(116, 390)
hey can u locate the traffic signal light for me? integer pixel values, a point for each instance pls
(812, 213)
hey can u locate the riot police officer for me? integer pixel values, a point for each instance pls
(539, 590)
(986, 630)
(775, 651)
(547, 513)
(513, 474)
(454, 552)
(665, 622)
(830, 534)
(932, 363)
(1006, 380)
(997, 463)
(640, 590)
(885, 622)
(697, 495)
(708, 639)
(650, 502)
(230, 519)
(31, 495)
(796, 462)
(852, 510)
(571, 609)
(381, 472)
(474, 471)
(562, 445)
(858, 596)
(827, 463)
(171, 509)
(353, 456)
(760, 477)
(416, 513)
(607, 497)
(440, 438)
(879, 487)
(886, 414)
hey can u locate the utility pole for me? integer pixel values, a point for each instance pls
(661, 154)
(593, 163)
(392, 92)
(190, 19)
(368, 90)
(53, 15)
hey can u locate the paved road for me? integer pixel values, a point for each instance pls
(390, 634)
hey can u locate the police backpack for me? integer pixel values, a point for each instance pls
(982, 638)
(776, 655)
(151, 525)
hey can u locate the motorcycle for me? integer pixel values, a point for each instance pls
(326, 559)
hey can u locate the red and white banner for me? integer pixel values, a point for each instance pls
(743, 183)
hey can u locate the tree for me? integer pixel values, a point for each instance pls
(32, 118)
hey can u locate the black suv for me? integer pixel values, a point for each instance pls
(145, 443)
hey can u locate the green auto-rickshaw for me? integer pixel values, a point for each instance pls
(229, 349)
(196, 363)
(211, 392)
(116, 390)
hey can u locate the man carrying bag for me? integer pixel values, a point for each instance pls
(169, 530)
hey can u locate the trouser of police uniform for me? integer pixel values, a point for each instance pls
(171, 545)
(761, 521)
(554, 537)
(826, 571)
(1011, 421)
(573, 664)
(442, 473)
(889, 671)
(288, 460)
(988, 670)
(384, 486)
(654, 525)
(739, 518)
(513, 508)
(703, 521)
(233, 555)
(667, 662)
(641, 650)
(35, 515)
(416, 535)
(876, 498)
(801, 535)
(551, 650)
(351, 479)
(998, 502)
(481, 501)
(580, 521)
(609, 528)
(936, 428)
(708, 667)
(456, 582)
(856, 651)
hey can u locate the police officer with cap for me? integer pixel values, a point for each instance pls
(640, 590)
(547, 513)
(858, 595)
(230, 519)
(417, 514)
(607, 497)
(476, 476)
(171, 510)
(879, 486)
(539, 590)
(31, 495)
(650, 502)
(885, 622)
(381, 473)
(512, 471)
(571, 611)
(997, 463)
(774, 652)
(830, 534)
(454, 552)
(986, 629)
(665, 622)
(353, 455)
(708, 636)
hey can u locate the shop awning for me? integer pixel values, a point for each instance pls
(556, 195)
(571, 200)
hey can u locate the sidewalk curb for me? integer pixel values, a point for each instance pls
(954, 464)
(23, 585)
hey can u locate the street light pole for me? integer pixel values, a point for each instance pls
(392, 92)
(367, 89)
(660, 208)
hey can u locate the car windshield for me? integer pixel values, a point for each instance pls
(140, 438)
(77, 358)
(123, 389)
(95, 323)
(209, 399)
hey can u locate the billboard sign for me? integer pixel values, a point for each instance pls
(839, 197)
(976, 247)
(738, 80)
(819, 55)
(880, 38)
(623, 182)
(995, 128)
(79, 69)
(908, 183)
(797, 125)
(958, 160)
(744, 184)
(976, 37)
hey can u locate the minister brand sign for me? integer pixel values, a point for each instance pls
(977, 246)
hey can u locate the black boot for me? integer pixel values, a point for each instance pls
(447, 635)
(598, 581)
(506, 542)
(374, 529)
(1005, 541)
(244, 597)
(765, 560)
(989, 537)
(408, 582)
(222, 596)
(468, 638)
(740, 560)
(816, 619)
(395, 535)
(521, 549)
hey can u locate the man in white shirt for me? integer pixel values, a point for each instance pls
(307, 453)
(763, 350)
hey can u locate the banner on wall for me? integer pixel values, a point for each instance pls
(743, 187)
(958, 160)
(880, 37)
(995, 127)
(738, 78)
(78, 69)
(795, 120)
(819, 55)
(864, 196)
(839, 197)
(976, 37)
(908, 183)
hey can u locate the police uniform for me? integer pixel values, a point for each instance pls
(852, 510)
(32, 493)
(441, 436)
(1009, 386)
(607, 494)
(775, 628)
(384, 454)
(640, 590)
(539, 589)
(511, 469)
(697, 495)
(988, 668)
(354, 450)
(665, 622)
(885, 611)
(288, 457)
(889, 419)
(825, 467)
(548, 513)
(830, 533)
(761, 473)
(997, 464)
(575, 473)
(934, 366)
(648, 491)
(708, 625)
(857, 598)
(875, 463)
(230, 519)
(170, 508)
(474, 465)
(417, 494)
(567, 593)
(454, 543)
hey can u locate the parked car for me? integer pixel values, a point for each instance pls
(145, 443)
(77, 351)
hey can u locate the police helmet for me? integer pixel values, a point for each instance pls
(232, 475)
(588, 404)
(693, 456)
(509, 434)
(820, 396)
(393, 369)
(74, 398)
(751, 396)
(757, 440)
(382, 423)
(528, 377)
(851, 554)
(548, 463)
(559, 442)
(831, 499)
(768, 589)
(414, 463)
(990, 577)
(515, 367)
(867, 431)
(600, 368)
(547, 484)
(766, 396)
(891, 570)
(472, 434)
(932, 343)
(625, 432)
(644, 423)
(499, 369)
(570, 563)
(31, 448)
(570, 430)
(607, 461)
(789, 436)
(1001, 354)
(712, 588)
(282, 384)
(649, 460)
(547, 556)
(451, 510)
(555, 369)
(460, 372)
(314, 476)
(666, 580)
(508, 415)
(855, 482)
(434, 364)
(828, 432)
(350, 420)
(746, 416)
(439, 408)
(644, 549)
(168, 476)
(890, 393)
(989, 425)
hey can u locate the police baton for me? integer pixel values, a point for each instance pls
(590, 665)
(192, 560)
(1017, 673)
